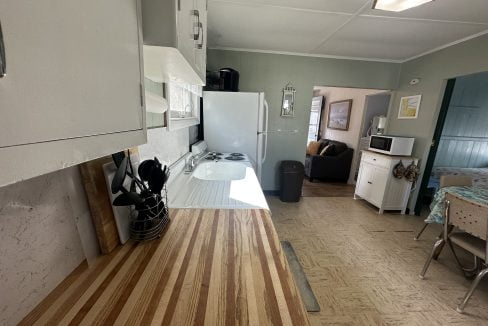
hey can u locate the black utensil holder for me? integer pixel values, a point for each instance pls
(148, 220)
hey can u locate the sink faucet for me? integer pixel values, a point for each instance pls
(191, 163)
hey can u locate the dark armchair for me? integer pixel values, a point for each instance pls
(334, 167)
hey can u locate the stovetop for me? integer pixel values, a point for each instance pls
(234, 158)
(217, 156)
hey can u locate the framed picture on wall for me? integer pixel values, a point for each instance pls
(409, 107)
(339, 115)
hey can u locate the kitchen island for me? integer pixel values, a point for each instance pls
(212, 266)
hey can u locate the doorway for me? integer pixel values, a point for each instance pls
(460, 141)
(335, 168)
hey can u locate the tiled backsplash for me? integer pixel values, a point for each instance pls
(167, 146)
(45, 233)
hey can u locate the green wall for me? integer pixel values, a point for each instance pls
(269, 73)
(433, 70)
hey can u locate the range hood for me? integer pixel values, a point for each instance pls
(169, 47)
(163, 64)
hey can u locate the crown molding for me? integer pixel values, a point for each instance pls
(340, 57)
(304, 54)
(445, 46)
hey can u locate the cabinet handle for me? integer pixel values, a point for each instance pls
(200, 29)
(3, 60)
(370, 182)
(196, 36)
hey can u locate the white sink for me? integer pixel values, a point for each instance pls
(220, 171)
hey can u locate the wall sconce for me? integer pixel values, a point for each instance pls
(288, 102)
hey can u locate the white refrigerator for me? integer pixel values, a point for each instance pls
(237, 122)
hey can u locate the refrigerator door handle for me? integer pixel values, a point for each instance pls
(264, 132)
(3, 61)
(265, 148)
(266, 116)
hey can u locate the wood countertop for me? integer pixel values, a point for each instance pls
(212, 267)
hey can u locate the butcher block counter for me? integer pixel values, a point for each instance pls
(212, 267)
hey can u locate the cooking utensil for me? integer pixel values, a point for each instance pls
(158, 164)
(166, 174)
(127, 199)
(119, 177)
(145, 169)
(156, 180)
(118, 157)
(132, 185)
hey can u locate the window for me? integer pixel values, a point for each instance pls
(315, 118)
(184, 105)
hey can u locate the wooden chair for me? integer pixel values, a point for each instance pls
(449, 181)
(471, 222)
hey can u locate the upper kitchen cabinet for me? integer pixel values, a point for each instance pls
(201, 39)
(73, 88)
(175, 33)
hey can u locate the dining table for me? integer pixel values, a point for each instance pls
(437, 207)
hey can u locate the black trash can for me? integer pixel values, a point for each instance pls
(291, 180)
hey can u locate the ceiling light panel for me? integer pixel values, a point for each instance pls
(398, 5)
(475, 11)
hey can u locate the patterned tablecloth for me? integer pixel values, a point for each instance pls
(478, 194)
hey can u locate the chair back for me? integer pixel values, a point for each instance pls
(455, 180)
(467, 216)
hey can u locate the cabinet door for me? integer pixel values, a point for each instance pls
(380, 179)
(201, 42)
(73, 70)
(365, 180)
(186, 29)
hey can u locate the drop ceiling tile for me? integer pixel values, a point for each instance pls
(392, 38)
(349, 6)
(268, 28)
(455, 10)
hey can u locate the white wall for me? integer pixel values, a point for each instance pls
(351, 136)
(433, 70)
(269, 73)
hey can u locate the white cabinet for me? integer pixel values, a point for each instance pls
(175, 33)
(73, 86)
(377, 185)
(201, 39)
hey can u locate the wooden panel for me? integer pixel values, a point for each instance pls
(211, 267)
(464, 140)
(99, 203)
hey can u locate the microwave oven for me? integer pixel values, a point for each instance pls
(391, 145)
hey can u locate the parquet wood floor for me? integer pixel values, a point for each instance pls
(363, 267)
(326, 189)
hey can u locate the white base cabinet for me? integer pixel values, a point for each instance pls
(377, 185)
